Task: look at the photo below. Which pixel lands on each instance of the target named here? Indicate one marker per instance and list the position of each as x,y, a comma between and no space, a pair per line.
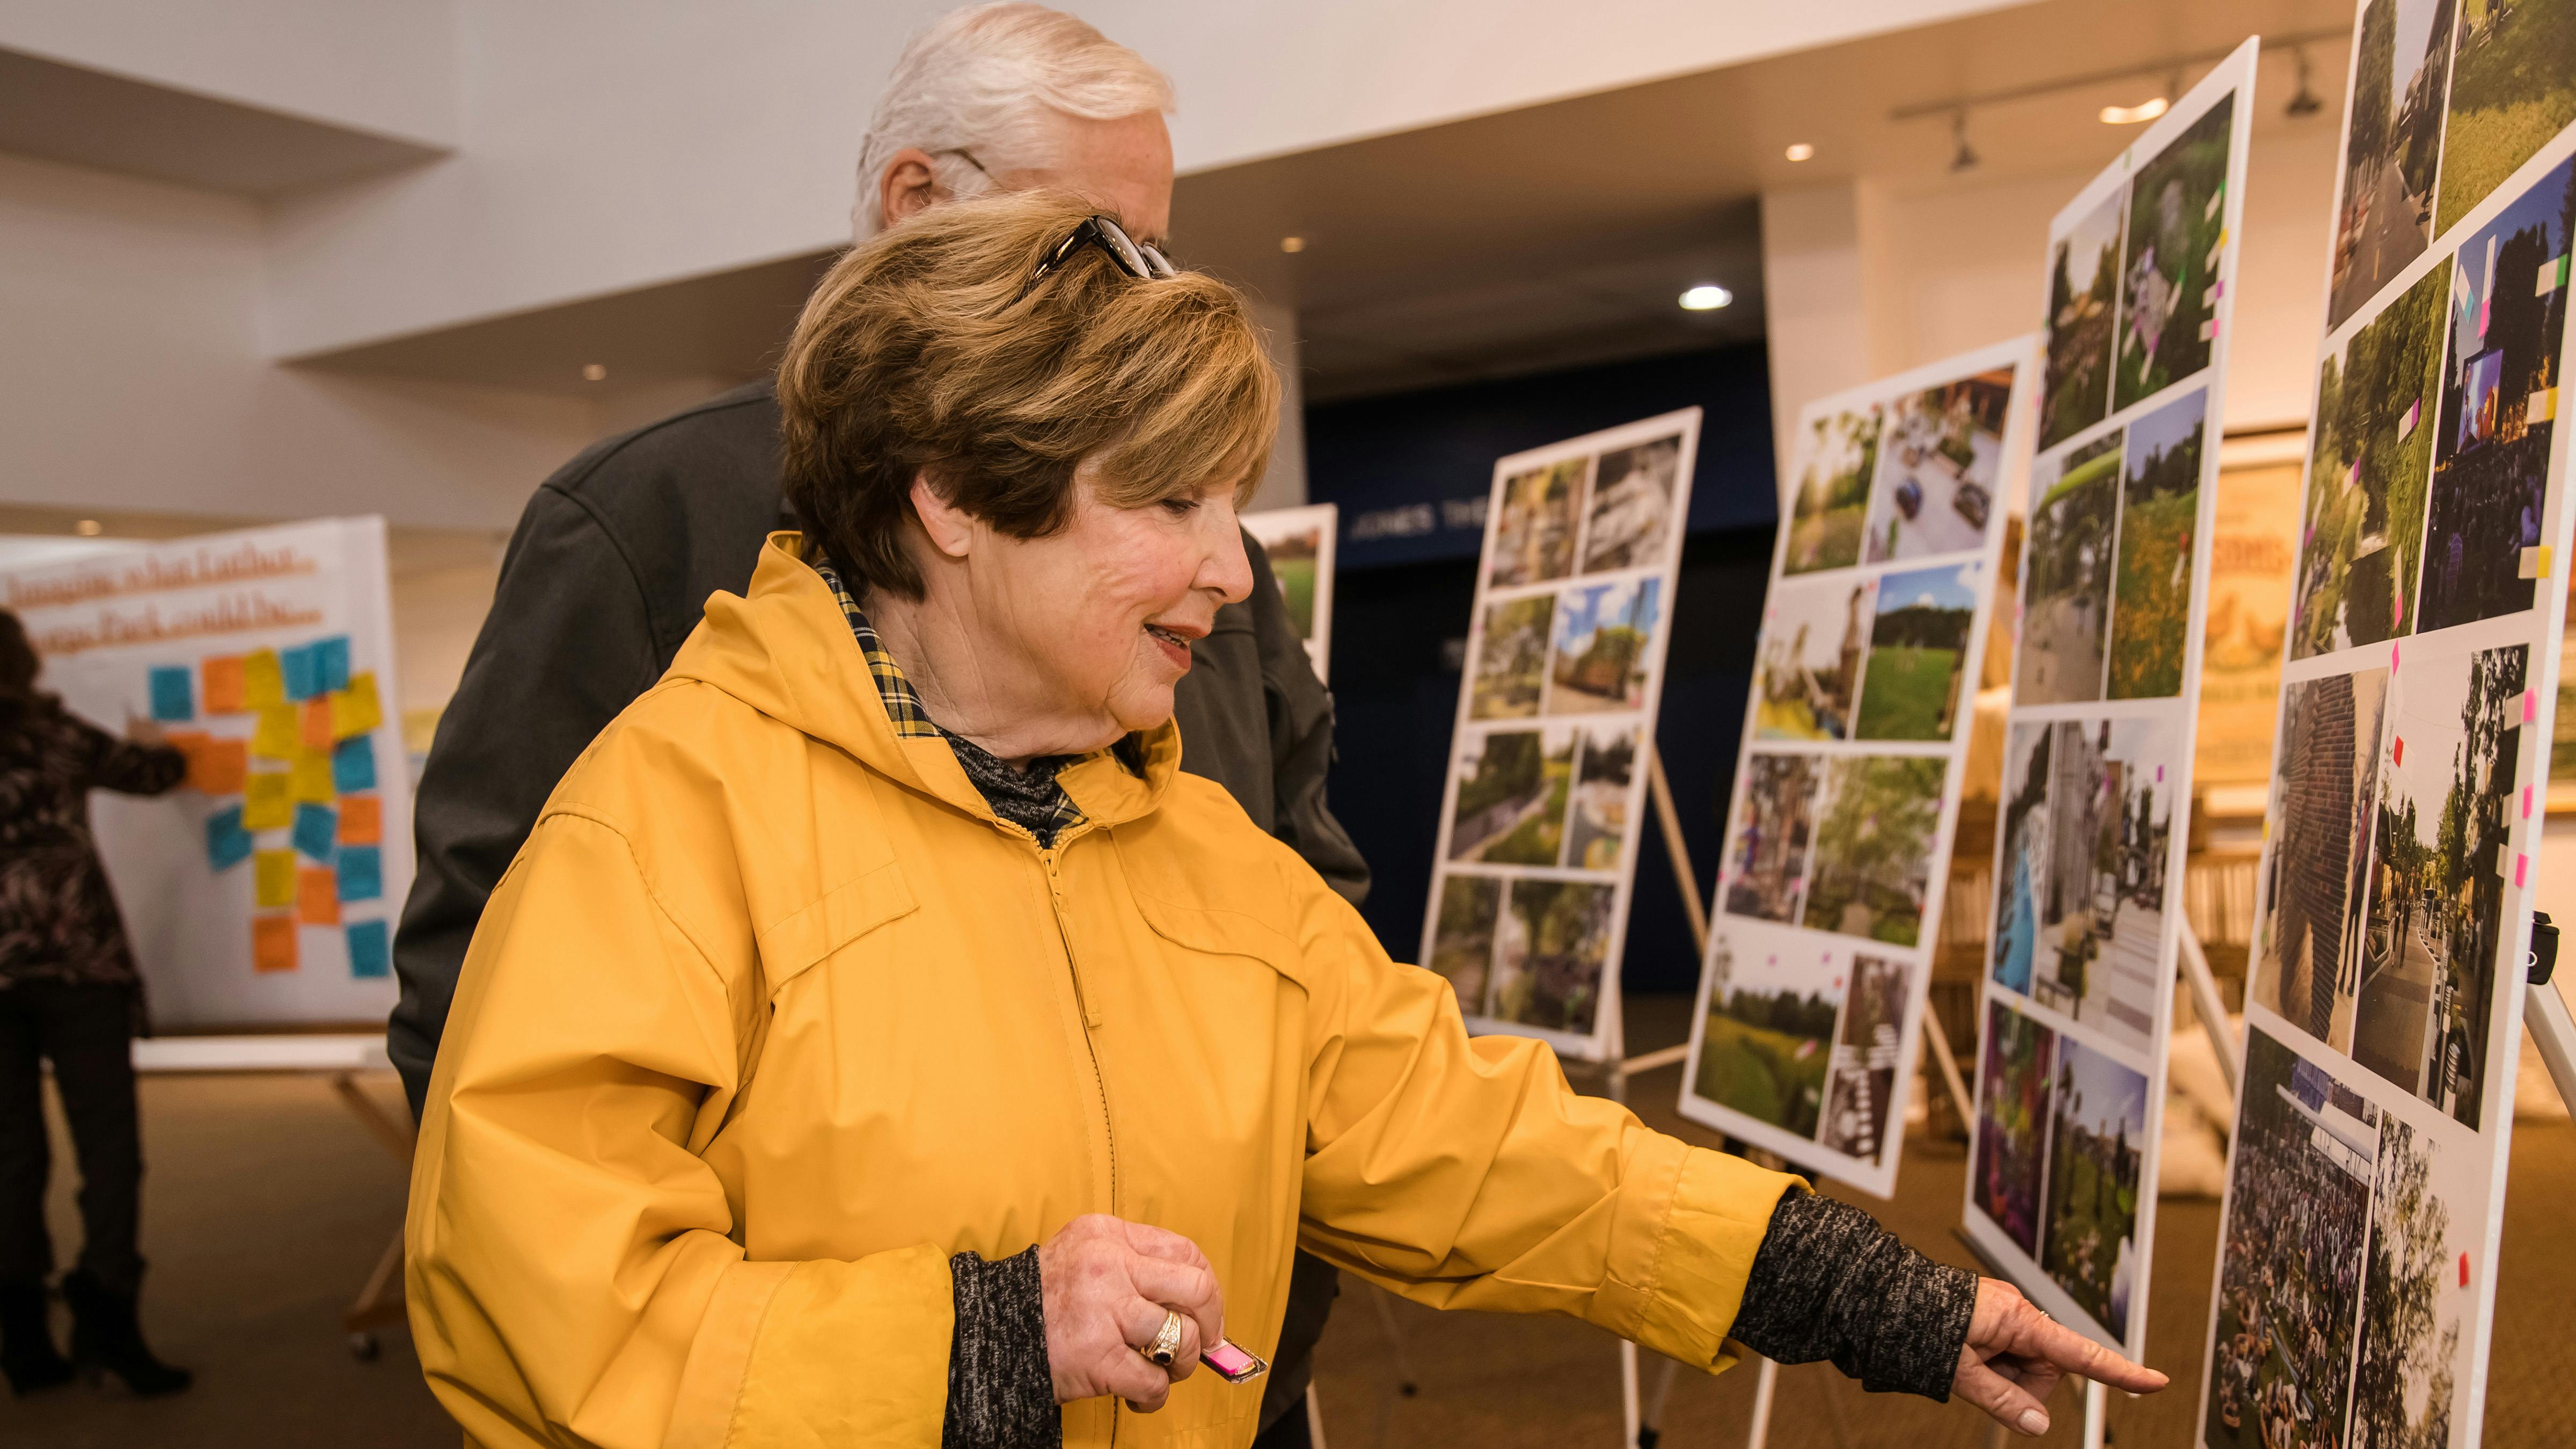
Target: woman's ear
950,528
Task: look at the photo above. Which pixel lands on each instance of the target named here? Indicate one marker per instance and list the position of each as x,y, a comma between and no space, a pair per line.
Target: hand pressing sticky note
174,693
331,663
310,780
353,764
221,680
273,879
362,874
228,842
356,710
362,820
272,943
218,767
265,803
313,718
263,684
316,831
302,672
277,734
370,953
317,896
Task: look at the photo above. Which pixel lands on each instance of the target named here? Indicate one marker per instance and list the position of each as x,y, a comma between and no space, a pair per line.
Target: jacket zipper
1048,857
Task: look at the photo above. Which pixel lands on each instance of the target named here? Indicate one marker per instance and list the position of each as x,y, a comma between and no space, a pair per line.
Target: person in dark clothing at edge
69,993
614,558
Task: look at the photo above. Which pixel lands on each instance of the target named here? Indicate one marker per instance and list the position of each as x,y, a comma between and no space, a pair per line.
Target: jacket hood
786,650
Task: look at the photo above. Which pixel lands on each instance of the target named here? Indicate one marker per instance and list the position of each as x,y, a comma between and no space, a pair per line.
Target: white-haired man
616,554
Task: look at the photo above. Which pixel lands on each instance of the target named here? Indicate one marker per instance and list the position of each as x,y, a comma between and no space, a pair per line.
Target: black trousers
87,1032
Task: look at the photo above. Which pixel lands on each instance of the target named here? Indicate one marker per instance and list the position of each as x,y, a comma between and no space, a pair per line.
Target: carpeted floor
267,1205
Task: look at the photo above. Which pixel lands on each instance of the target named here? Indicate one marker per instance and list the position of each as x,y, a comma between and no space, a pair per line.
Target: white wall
131,376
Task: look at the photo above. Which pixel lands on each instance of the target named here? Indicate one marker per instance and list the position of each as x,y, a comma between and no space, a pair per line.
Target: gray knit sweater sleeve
1000,1393
1830,1283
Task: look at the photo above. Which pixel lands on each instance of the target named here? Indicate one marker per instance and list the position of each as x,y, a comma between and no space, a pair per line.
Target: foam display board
1547,764
2357,1268
266,655
1300,544
2093,820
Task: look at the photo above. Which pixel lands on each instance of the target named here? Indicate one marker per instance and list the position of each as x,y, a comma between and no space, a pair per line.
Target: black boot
107,1340
27,1340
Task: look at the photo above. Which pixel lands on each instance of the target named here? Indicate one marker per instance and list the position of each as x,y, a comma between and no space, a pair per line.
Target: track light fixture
1966,157
2305,103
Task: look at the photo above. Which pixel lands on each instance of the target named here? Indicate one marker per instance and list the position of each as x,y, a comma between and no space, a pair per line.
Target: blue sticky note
227,843
370,952
317,829
174,692
331,663
303,672
353,764
362,873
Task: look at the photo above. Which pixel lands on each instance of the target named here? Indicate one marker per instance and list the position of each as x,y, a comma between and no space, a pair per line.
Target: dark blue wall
1401,604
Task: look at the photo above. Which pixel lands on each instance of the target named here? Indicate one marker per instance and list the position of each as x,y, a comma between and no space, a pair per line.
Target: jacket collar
786,650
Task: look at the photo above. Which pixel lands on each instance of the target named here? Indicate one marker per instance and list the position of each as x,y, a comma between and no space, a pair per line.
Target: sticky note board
277,734
265,805
2420,685
370,949
362,820
228,843
356,710
2099,739
224,686
1546,777
362,873
1872,637
173,690
273,878
353,764
263,681
317,896
218,766
272,943
316,831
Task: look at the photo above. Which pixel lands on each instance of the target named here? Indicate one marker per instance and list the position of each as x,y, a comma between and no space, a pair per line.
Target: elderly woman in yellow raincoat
880,1041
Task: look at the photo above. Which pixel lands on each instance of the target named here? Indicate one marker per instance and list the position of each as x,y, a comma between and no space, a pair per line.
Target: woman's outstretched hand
1108,1284
2015,1355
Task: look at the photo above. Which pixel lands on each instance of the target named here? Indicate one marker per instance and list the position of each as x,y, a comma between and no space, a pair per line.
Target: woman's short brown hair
917,355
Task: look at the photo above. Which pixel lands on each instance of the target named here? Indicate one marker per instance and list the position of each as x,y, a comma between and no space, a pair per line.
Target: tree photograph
2169,295
2083,297
1874,846
2390,152
2159,523
1835,461
2066,580
1769,1034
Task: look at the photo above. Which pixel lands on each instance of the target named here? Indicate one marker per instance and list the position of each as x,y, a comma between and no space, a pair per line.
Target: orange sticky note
310,777
278,733
265,805
273,878
222,684
263,682
362,820
356,710
317,723
186,742
317,896
272,943
218,767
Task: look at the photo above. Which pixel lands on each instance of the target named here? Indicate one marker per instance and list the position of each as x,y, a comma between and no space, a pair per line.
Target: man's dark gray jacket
605,578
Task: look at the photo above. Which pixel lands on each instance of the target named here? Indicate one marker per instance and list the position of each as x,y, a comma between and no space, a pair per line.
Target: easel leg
1662,791
1766,1387
2553,1030
2206,1005
1405,1383
2097,1408
1314,1417
1631,1410
1949,1064
1651,1426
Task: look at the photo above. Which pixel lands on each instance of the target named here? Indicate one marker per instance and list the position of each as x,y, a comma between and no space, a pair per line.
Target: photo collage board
2357,1266
1847,776
1546,790
1300,543
2094,811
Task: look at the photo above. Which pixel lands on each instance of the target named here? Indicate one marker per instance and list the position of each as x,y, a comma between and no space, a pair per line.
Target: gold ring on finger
1167,1341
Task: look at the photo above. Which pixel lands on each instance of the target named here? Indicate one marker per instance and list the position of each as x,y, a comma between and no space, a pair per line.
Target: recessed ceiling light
1706,297
594,372
1800,152
1292,244
89,528
2132,115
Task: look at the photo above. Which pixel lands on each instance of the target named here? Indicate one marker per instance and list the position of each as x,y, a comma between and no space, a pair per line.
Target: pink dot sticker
2521,867
2464,1270
2530,705
2526,802
2392,656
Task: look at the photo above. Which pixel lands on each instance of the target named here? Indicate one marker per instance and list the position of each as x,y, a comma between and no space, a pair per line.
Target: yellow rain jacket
772,1016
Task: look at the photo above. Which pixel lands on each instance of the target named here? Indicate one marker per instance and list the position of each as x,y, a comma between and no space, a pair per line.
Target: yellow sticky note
277,736
310,779
263,683
273,878
265,803
356,710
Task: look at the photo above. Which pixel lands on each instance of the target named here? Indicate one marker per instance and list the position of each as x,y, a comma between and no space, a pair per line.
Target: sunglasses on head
1137,259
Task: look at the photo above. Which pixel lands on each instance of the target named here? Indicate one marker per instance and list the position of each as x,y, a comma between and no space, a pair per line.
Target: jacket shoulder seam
592,816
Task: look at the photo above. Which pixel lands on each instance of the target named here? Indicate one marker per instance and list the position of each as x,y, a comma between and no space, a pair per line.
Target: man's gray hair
983,80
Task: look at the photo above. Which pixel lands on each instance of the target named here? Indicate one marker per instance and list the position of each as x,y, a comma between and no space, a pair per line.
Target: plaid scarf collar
1031,799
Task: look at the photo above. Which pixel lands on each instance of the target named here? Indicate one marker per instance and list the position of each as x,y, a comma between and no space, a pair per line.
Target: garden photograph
1512,789
2066,574
2372,448
1769,1034
1534,530
2012,1123
2096,1147
1860,1091
1511,659
1836,457
1552,941
2306,926
1462,935
1766,855
1918,651
1596,828
1602,634
2412,1300
2083,298
2169,293
1814,635
2391,149
1941,454
1632,506
1873,846
2513,86
2159,520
